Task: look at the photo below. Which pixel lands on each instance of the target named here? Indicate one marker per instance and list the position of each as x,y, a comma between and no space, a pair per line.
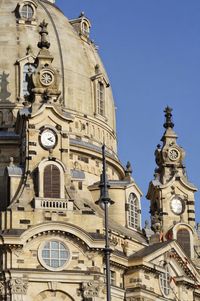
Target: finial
43,33
128,170
168,114
97,69
82,14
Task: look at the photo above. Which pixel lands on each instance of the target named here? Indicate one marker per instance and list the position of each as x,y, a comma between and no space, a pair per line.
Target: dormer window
82,26
100,86
27,12
85,29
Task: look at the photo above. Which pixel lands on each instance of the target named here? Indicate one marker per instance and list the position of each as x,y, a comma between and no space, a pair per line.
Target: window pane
54,245
45,254
55,254
54,263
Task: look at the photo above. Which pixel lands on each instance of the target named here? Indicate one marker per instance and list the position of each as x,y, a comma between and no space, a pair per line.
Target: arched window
27,12
165,281
27,71
100,99
183,238
133,219
85,29
51,181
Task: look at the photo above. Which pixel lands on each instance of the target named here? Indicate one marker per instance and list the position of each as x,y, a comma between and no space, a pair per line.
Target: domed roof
82,75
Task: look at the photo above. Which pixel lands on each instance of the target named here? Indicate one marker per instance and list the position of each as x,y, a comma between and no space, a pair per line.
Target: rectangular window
112,277
83,159
100,99
80,185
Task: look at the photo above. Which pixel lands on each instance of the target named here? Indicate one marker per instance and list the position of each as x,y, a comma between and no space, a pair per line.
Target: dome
84,86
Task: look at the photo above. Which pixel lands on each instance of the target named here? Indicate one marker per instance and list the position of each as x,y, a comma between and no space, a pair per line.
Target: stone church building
56,112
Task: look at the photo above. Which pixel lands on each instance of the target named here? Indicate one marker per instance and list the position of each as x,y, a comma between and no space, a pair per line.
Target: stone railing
53,204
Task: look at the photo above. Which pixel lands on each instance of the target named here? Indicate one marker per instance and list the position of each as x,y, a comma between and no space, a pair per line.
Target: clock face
177,205
173,154
46,78
48,138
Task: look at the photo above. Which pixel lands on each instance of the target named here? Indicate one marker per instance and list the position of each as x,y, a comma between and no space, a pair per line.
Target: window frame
164,281
133,218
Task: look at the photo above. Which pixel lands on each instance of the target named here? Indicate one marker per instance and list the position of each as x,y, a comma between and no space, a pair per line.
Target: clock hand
50,139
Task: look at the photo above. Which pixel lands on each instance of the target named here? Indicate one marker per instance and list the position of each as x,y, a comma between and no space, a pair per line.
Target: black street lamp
104,202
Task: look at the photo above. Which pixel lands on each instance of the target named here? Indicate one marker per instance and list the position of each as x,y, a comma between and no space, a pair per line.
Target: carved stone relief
18,286
2,288
92,289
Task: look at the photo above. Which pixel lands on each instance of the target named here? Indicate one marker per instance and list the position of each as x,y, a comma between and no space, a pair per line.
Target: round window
27,12
54,254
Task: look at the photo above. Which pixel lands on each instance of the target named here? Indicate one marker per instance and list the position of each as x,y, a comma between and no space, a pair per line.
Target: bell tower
171,195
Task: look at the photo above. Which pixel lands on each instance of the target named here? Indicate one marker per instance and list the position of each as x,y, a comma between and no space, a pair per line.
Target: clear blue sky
151,50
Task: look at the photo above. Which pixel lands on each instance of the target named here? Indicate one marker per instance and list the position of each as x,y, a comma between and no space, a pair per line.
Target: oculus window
27,12
54,255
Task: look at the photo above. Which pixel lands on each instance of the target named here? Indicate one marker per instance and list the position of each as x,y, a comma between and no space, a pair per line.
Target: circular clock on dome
173,154
177,205
48,138
46,78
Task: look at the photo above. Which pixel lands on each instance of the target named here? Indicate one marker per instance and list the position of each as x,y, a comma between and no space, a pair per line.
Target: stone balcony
53,204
